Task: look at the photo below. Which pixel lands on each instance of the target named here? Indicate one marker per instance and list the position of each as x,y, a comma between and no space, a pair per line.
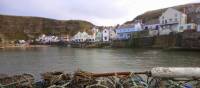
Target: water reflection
38,60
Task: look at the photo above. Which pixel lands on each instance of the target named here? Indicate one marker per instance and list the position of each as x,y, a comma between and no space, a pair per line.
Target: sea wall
165,41
143,42
187,40
190,40
122,44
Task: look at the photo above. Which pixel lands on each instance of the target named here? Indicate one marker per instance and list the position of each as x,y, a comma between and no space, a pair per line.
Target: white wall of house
112,34
183,27
171,18
152,26
165,32
46,39
98,37
106,35
198,28
80,37
153,33
83,37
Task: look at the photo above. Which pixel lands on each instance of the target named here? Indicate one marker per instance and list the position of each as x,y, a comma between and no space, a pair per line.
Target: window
157,27
170,20
181,27
105,38
163,17
189,27
121,35
128,35
165,21
146,28
176,19
176,15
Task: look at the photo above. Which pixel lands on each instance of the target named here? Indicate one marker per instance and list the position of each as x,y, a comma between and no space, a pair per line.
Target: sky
98,12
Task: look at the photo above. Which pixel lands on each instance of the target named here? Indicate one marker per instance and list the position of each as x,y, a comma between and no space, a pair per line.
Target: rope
87,80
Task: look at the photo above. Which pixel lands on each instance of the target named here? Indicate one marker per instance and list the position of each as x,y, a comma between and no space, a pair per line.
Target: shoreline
23,46
161,48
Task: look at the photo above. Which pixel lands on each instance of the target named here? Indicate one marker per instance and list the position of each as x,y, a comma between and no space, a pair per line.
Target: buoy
176,72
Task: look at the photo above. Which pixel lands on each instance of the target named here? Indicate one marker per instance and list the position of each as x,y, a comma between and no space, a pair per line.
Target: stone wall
191,40
143,42
181,40
122,44
165,41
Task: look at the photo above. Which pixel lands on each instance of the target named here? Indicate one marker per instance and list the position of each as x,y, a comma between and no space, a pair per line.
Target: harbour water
39,60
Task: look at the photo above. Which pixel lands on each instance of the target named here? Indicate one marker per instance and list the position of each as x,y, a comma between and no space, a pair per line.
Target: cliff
21,27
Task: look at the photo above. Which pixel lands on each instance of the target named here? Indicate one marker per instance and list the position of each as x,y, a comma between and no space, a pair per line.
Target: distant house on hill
187,17
174,21
171,19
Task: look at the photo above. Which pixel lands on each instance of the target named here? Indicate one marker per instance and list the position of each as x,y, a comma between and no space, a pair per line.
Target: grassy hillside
20,27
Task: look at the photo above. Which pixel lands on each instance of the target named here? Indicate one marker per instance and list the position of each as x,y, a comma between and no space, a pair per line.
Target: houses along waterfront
174,27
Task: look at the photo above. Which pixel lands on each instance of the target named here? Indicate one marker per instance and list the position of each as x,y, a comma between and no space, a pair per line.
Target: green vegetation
18,27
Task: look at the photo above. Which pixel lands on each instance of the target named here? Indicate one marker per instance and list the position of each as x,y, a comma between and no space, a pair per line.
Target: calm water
38,60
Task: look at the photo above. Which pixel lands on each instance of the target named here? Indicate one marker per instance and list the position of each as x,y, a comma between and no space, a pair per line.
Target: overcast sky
99,12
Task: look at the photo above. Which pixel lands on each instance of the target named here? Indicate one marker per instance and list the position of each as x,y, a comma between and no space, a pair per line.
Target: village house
112,34
183,27
126,32
99,36
170,20
83,37
105,34
152,28
64,38
193,12
47,39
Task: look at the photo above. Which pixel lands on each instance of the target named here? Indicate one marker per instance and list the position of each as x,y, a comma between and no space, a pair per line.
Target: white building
112,34
175,21
98,36
198,28
170,20
189,26
47,39
106,35
83,37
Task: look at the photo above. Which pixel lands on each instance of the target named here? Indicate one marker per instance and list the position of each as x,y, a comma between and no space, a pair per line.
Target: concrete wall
143,42
165,41
181,40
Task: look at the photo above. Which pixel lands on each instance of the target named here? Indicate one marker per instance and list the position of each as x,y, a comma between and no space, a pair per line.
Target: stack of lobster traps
17,81
156,78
